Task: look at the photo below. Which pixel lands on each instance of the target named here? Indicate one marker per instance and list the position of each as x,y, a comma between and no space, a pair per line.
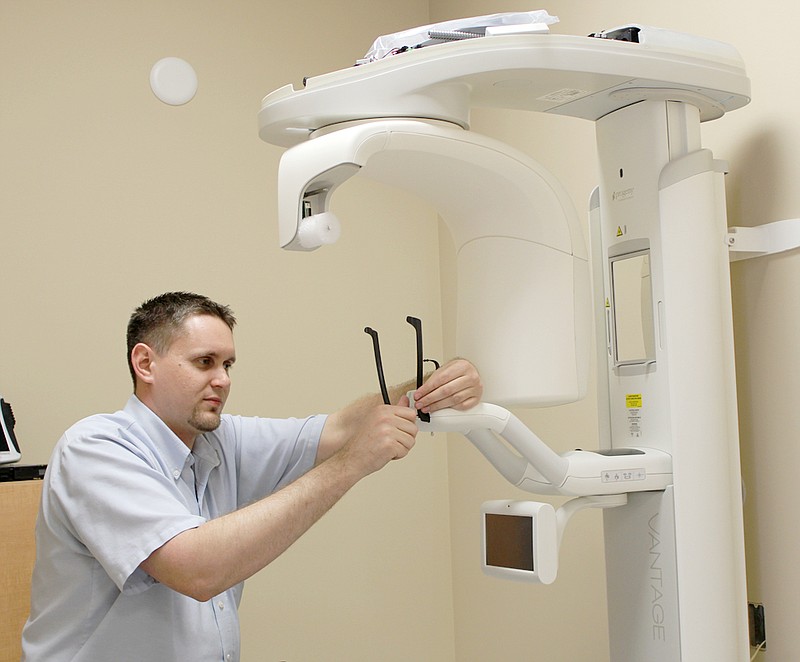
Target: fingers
403,426
456,384
396,432
388,433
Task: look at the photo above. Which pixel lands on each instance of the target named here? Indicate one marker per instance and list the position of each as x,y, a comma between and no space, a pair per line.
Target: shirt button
176,473
228,656
221,605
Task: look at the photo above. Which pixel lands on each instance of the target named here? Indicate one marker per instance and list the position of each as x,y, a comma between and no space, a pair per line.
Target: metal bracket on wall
777,237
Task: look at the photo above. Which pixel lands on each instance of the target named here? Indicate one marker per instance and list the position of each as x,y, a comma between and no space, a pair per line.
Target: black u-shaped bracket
417,324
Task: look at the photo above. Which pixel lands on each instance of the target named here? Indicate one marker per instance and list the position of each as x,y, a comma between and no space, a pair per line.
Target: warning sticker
633,403
633,400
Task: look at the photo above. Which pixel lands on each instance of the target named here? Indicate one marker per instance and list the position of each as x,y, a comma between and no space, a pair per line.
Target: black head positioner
417,324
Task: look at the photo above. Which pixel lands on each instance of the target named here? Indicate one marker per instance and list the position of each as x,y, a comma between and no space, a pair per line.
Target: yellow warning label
633,400
619,231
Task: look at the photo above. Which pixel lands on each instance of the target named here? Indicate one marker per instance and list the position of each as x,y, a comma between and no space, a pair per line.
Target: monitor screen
509,541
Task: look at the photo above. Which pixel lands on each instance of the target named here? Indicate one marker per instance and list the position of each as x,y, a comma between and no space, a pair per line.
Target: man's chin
206,422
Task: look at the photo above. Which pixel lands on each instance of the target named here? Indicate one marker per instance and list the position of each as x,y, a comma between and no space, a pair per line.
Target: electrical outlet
758,630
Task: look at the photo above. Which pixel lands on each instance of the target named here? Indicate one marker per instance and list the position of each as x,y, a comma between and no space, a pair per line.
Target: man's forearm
217,555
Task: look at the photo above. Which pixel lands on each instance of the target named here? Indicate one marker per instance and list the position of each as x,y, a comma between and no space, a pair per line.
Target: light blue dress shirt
119,486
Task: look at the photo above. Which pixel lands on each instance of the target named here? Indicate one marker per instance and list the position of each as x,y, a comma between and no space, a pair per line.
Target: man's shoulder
128,428
98,423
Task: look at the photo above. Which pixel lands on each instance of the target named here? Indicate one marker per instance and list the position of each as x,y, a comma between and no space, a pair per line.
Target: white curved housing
524,304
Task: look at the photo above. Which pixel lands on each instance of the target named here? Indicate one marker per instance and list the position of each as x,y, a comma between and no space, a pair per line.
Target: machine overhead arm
521,261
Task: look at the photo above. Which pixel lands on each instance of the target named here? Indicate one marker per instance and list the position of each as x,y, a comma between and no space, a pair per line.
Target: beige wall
110,196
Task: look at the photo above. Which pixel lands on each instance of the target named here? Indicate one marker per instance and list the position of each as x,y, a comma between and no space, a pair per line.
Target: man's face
191,380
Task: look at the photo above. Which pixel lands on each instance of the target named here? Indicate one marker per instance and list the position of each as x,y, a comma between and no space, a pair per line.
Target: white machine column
675,559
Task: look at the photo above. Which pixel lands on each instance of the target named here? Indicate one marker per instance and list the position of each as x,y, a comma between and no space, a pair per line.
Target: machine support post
675,559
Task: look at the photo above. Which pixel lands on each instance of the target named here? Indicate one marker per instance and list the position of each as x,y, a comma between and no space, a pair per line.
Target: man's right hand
387,432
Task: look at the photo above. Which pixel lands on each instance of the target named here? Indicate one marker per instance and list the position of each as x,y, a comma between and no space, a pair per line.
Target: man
152,517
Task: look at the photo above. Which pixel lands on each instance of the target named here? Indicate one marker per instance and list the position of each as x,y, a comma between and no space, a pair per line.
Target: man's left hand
456,384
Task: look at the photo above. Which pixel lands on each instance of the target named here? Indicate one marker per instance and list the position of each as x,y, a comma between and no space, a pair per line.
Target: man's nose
221,378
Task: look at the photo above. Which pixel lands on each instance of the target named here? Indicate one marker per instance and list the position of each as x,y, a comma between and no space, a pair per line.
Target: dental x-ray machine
667,471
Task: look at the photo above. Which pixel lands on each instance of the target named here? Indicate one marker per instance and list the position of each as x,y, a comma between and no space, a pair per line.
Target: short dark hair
157,321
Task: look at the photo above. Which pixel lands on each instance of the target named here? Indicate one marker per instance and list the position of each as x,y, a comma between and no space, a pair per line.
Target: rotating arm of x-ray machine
523,303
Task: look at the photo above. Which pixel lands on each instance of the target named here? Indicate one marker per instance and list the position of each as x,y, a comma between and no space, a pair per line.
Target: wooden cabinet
19,505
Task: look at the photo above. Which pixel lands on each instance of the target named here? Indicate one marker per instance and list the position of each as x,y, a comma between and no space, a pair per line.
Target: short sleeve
116,502
273,452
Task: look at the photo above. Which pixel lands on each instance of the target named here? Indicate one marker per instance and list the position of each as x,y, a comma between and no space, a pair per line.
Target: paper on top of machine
463,28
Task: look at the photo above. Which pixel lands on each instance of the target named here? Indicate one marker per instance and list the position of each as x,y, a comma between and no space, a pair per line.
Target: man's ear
142,360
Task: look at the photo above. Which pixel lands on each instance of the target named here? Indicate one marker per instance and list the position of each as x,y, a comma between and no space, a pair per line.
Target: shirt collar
174,451
171,448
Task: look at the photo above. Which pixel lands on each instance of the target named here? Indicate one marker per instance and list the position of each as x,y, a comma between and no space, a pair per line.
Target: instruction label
633,403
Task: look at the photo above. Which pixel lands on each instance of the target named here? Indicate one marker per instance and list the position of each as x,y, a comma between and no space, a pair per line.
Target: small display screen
509,541
6,413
